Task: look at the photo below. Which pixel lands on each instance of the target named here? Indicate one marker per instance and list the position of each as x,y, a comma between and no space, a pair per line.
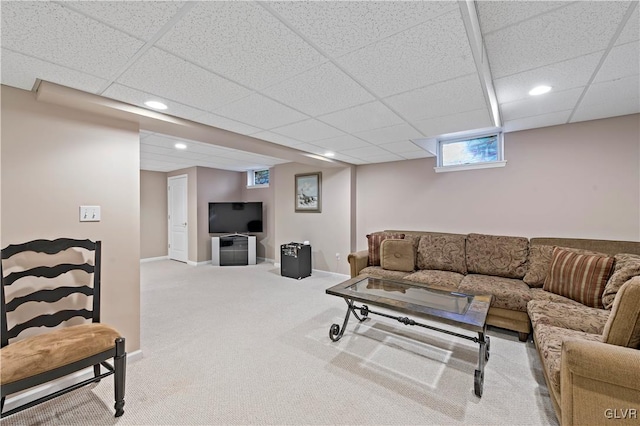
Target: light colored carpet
243,345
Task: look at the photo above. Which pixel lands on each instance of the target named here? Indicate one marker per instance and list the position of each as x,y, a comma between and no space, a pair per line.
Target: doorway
178,226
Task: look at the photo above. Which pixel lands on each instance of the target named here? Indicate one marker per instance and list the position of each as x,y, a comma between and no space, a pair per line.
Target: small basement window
473,152
258,178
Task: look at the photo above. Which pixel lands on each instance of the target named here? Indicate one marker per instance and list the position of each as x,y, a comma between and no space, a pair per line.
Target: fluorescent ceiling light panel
539,90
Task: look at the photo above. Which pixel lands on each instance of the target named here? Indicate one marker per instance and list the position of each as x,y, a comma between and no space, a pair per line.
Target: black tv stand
233,250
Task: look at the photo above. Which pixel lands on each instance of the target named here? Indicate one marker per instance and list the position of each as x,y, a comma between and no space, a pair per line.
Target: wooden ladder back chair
34,359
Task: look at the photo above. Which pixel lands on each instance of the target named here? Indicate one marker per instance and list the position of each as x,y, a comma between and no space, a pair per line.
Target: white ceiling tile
538,105
56,34
622,61
307,147
373,115
445,98
170,77
358,161
168,142
137,97
416,154
425,54
365,152
631,31
320,90
225,123
607,91
560,76
390,134
308,130
242,41
607,108
139,18
400,147
542,120
22,71
171,152
548,38
340,27
384,158
341,143
259,111
276,138
469,120
494,15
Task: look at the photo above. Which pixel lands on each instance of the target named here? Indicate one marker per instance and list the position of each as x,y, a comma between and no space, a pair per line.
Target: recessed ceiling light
539,90
180,146
329,154
155,105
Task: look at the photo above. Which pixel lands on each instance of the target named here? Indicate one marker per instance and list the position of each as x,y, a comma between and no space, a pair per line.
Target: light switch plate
89,213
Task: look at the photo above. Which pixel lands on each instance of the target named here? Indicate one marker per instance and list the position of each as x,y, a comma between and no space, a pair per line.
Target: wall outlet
338,256
89,213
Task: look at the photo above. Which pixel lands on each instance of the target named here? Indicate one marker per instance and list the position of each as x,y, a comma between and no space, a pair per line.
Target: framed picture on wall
308,192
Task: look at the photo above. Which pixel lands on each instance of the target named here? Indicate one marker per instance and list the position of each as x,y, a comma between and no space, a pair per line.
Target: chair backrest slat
48,296
47,271
33,290
49,320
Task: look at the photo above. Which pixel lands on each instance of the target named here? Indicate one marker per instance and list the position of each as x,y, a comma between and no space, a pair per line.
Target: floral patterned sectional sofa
581,297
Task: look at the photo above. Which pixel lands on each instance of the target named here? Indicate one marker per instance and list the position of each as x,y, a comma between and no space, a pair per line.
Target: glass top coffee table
465,311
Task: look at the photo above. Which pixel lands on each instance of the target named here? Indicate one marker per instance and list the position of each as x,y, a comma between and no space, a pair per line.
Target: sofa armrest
358,261
600,383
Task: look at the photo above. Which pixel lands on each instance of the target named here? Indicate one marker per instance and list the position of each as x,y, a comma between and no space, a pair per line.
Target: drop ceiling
363,80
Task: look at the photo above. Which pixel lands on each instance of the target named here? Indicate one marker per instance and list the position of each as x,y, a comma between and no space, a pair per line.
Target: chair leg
2,405
96,371
120,367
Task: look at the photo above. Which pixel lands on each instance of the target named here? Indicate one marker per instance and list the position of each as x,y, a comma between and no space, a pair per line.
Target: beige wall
153,214
214,185
55,159
328,232
265,241
574,180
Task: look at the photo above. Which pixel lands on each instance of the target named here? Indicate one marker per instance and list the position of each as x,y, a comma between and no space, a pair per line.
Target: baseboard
153,259
345,276
56,385
192,263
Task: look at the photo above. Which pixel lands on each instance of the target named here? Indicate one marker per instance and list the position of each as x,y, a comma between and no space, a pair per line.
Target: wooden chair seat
45,352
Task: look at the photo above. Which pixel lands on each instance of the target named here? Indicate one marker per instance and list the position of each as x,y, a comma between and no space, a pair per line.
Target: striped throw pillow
581,277
374,241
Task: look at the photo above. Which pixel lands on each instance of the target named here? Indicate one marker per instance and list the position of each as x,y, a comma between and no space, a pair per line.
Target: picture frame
308,192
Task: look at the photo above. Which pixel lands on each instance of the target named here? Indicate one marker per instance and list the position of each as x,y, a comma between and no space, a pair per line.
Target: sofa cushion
581,277
397,255
442,252
497,255
572,316
623,326
378,271
445,279
541,294
539,263
626,267
549,340
507,293
374,241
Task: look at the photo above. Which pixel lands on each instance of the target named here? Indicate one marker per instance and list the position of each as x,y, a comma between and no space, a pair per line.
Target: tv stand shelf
233,250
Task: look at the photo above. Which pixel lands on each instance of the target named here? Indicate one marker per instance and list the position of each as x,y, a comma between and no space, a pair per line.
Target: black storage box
295,260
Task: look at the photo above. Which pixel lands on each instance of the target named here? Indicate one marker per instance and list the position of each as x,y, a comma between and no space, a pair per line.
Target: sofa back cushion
581,277
538,267
442,252
627,265
397,255
374,241
496,255
623,326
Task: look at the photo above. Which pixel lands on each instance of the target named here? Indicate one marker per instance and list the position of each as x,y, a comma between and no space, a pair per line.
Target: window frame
466,136
251,178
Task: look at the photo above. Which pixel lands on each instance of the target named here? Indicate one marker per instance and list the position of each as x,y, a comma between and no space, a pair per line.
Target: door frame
169,219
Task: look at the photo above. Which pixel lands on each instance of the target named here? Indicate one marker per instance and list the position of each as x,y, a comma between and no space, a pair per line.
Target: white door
178,230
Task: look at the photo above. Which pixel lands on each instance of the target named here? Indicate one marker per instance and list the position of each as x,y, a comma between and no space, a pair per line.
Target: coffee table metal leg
483,357
335,332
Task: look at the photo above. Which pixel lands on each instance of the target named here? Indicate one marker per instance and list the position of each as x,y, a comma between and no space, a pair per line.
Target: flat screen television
229,218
